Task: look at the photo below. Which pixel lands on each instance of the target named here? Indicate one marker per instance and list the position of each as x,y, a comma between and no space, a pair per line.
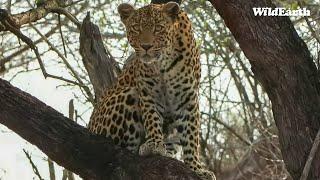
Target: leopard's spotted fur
158,90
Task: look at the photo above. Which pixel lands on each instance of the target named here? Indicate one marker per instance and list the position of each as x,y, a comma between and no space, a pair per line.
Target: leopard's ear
125,10
171,9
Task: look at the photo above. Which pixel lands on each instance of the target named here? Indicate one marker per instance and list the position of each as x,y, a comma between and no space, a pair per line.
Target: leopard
157,92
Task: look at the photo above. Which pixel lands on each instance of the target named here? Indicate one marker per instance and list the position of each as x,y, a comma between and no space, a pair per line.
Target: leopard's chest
175,88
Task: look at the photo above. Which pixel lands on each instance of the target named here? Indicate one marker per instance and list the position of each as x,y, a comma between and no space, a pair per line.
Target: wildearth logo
267,11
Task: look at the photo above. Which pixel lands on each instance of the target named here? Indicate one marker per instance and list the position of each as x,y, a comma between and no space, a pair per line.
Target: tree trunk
74,147
100,65
281,61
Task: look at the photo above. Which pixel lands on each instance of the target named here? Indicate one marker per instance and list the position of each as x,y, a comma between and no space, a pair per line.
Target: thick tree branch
32,15
74,147
282,63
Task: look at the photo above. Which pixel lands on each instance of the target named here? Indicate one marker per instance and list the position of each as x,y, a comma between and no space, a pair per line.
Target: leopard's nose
146,46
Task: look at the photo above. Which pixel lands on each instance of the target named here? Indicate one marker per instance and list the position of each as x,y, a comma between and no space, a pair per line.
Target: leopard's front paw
205,174
150,147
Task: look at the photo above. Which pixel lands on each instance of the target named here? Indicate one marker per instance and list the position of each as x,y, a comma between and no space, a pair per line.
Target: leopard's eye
159,28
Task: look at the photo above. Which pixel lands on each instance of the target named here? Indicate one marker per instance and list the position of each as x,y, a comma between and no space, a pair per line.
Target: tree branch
74,147
34,167
99,63
281,62
32,15
313,151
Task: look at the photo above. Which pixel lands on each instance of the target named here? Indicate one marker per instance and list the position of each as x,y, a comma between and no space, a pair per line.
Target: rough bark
100,65
74,147
32,15
281,62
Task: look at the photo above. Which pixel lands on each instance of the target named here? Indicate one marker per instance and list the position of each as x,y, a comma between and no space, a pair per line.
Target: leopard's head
150,29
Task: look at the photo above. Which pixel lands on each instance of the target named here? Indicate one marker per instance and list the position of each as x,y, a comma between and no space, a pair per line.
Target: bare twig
70,175
48,34
74,2
63,11
51,169
65,61
66,173
18,52
313,151
71,110
5,20
61,35
229,129
34,167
